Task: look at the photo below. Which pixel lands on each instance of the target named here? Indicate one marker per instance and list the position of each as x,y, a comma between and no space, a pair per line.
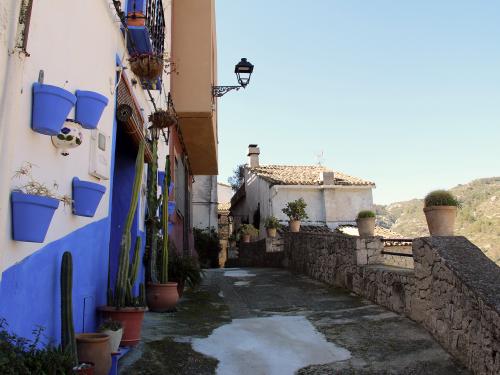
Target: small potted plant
247,231
440,209
33,205
366,223
296,211
114,329
271,224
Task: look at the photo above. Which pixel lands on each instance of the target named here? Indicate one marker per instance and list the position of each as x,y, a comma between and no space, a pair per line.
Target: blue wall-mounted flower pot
51,106
31,216
86,197
89,108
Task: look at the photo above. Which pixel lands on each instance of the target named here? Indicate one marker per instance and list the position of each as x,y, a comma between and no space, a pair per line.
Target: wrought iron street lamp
243,71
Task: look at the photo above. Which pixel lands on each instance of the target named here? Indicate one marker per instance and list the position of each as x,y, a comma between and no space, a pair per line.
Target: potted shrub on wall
271,224
247,231
32,207
440,208
296,211
366,223
51,106
122,304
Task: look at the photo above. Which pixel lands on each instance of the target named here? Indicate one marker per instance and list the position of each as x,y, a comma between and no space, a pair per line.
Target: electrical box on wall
100,144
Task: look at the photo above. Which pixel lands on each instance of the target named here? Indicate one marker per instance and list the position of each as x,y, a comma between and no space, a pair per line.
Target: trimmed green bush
272,223
296,210
366,214
248,229
440,198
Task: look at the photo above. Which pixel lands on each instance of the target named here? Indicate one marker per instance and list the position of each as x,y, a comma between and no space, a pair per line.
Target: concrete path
271,322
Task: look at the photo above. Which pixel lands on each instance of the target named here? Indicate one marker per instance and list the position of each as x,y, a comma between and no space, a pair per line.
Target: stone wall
398,260
454,290
254,254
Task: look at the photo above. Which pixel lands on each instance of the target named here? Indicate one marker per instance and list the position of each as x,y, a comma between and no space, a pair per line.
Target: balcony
194,54
146,25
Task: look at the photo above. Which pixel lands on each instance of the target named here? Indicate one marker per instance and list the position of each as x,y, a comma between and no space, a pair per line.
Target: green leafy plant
296,210
272,223
207,245
110,325
440,198
185,270
20,356
248,229
366,214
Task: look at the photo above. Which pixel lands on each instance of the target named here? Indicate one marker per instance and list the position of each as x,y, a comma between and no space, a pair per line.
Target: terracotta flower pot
246,238
271,232
441,220
180,288
162,297
131,319
114,338
366,226
294,226
94,347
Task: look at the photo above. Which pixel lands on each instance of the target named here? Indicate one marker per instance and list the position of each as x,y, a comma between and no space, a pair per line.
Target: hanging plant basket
86,197
31,216
147,66
162,119
89,108
51,106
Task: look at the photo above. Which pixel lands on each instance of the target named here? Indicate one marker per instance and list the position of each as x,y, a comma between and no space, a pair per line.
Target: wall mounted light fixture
243,71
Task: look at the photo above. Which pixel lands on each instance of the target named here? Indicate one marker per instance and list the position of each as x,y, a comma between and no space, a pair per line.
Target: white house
333,198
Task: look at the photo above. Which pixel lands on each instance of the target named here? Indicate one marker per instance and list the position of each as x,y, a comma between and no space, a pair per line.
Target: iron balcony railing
155,22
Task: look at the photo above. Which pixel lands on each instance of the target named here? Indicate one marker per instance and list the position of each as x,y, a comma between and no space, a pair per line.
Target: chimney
328,177
253,155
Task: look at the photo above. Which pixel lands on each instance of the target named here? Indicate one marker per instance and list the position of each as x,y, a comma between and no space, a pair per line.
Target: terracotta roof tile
224,206
303,175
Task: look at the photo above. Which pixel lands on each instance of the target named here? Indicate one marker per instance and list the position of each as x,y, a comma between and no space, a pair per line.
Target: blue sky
403,93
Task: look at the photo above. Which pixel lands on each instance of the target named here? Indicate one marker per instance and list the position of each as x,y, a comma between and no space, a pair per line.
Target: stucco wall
205,202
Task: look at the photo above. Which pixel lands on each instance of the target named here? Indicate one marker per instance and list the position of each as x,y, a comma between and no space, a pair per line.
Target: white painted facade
205,202
75,43
330,205
224,193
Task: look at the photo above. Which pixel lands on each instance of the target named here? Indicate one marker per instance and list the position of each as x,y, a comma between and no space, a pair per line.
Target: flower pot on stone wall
131,319
95,348
86,197
441,220
51,105
89,108
366,226
271,232
245,238
31,216
294,226
162,297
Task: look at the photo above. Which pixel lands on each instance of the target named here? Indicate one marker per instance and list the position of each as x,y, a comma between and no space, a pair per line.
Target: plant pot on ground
296,211
247,231
272,224
122,304
366,223
440,209
161,294
114,330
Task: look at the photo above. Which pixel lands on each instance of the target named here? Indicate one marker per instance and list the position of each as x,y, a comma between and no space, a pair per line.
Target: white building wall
205,202
75,43
224,193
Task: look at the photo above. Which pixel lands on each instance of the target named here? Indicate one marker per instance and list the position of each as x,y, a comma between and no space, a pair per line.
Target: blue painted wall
30,291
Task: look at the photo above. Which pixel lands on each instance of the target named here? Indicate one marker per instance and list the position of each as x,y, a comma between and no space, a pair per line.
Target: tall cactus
68,341
124,282
164,224
152,224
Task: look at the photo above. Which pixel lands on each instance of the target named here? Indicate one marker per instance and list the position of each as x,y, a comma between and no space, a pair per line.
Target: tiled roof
225,206
303,175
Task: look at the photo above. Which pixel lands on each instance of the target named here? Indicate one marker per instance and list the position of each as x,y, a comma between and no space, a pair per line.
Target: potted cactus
366,223
247,231
122,304
162,295
271,224
68,338
296,211
440,209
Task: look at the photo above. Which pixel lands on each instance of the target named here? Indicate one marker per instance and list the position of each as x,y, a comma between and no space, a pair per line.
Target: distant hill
478,219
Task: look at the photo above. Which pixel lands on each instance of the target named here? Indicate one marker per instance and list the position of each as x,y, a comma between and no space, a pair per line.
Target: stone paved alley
270,322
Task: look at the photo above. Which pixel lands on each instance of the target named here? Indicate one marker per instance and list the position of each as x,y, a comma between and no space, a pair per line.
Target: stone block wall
454,290
397,260
254,254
